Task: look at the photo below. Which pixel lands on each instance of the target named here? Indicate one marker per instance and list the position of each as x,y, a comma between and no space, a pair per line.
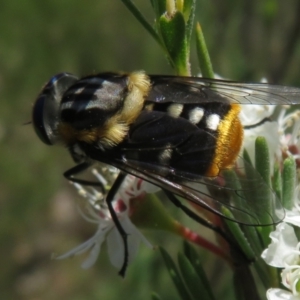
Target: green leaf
232,181
188,7
159,7
139,16
203,55
262,159
263,192
288,182
152,214
172,31
251,233
247,158
195,261
155,296
277,181
194,283
238,234
263,271
189,15
174,274
253,182
244,283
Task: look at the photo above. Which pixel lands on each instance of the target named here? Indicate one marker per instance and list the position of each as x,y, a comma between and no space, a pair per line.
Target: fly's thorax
99,109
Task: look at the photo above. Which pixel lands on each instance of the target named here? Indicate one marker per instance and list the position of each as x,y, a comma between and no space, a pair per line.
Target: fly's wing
175,155
195,89
244,198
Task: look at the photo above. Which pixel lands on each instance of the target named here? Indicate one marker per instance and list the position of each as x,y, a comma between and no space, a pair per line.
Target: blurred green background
247,40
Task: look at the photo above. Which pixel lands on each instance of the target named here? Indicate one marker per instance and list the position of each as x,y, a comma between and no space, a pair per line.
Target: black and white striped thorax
92,100
97,109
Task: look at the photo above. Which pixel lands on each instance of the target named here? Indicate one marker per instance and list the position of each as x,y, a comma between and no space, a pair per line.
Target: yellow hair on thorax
114,130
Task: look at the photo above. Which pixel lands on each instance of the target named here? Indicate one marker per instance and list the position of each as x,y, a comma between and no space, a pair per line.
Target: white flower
290,123
282,247
283,252
290,275
279,294
290,145
98,213
253,114
293,216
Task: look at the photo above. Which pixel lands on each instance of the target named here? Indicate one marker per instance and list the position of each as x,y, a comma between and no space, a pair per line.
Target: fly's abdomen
228,143
202,138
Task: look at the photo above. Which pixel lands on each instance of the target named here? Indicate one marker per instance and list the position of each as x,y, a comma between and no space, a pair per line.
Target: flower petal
279,294
149,187
284,242
292,217
115,248
115,244
94,253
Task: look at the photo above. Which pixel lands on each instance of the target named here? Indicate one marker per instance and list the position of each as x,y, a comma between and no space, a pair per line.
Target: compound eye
45,114
38,120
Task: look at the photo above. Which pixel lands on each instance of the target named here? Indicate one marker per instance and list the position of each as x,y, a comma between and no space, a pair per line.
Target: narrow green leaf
238,289
247,158
259,195
232,182
262,270
174,274
262,159
172,31
277,181
195,261
240,201
155,296
159,7
264,193
203,55
194,283
238,234
244,283
251,233
152,214
189,15
139,16
251,184
188,6
288,182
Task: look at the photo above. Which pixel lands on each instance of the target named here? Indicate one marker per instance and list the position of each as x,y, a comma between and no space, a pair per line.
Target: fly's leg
79,169
240,256
109,199
195,217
